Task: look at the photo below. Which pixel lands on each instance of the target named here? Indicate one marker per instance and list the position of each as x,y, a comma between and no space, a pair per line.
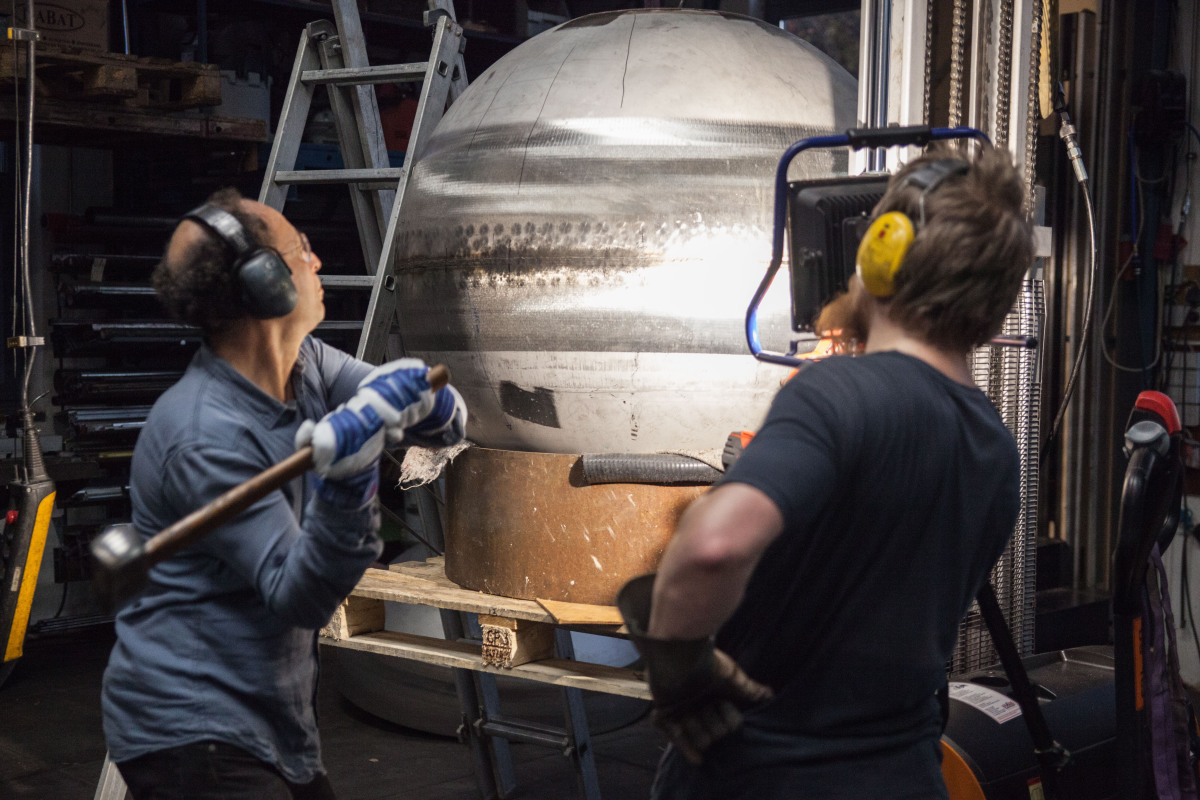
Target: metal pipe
26,192
103,217
1106,158
881,40
125,23
526,733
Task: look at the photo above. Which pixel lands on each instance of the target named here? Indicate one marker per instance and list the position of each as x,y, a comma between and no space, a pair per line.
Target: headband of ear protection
883,247
264,280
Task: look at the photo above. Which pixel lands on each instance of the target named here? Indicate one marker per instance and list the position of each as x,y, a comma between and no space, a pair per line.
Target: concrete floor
52,747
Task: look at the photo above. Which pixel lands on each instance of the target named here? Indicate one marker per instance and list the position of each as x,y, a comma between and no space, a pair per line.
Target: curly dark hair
199,287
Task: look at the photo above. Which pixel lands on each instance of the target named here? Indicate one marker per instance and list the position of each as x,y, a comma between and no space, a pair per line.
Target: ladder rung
348,281
361,76
387,178
529,733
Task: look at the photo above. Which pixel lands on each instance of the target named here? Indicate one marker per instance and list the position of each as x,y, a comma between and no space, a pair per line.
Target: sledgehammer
122,560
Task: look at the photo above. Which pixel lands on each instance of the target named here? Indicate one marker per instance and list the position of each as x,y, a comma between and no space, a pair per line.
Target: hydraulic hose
669,468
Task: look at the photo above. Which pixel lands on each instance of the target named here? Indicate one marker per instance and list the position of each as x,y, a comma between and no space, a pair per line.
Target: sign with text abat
75,23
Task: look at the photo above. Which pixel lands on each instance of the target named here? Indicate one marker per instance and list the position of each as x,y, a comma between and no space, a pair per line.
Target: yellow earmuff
882,250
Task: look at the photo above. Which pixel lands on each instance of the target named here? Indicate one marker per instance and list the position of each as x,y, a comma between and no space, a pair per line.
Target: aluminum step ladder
334,55
112,785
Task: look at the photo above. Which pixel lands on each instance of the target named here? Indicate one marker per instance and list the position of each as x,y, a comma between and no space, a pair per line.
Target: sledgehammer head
121,565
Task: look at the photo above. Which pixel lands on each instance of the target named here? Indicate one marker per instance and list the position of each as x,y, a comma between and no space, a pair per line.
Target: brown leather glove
699,692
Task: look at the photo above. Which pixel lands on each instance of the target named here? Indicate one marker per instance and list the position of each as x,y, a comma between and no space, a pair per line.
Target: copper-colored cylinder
524,525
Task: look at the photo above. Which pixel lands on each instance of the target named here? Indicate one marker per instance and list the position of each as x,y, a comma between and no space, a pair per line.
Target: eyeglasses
306,249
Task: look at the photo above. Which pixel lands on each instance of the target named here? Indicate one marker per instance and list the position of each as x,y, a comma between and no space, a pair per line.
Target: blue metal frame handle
855,139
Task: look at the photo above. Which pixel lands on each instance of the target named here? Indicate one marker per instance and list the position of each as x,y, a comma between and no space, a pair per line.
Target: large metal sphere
583,233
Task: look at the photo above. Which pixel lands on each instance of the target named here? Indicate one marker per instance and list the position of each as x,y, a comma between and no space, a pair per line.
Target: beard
846,319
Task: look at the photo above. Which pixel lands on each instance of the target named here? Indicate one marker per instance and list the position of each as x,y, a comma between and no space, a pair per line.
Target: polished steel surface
590,219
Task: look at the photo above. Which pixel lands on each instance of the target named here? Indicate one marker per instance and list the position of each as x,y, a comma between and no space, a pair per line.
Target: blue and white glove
346,444
393,402
412,413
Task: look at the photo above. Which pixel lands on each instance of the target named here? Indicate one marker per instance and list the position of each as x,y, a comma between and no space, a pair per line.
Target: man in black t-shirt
835,559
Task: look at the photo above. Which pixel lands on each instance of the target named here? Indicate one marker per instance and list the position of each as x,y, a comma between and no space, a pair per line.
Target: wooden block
110,80
354,616
10,65
140,98
203,90
337,628
156,87
510,642
581,613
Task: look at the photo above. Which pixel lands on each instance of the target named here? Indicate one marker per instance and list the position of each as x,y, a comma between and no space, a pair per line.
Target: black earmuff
264,280
883,247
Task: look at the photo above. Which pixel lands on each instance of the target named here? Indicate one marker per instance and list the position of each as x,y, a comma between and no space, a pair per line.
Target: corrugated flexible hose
668,468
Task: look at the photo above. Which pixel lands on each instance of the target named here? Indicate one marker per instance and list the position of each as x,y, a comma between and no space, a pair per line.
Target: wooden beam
581,613
433,569
355,615
87,119
428,585
110,80
510,642
462,655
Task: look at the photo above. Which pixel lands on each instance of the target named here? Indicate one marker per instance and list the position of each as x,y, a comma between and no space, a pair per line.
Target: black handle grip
889,137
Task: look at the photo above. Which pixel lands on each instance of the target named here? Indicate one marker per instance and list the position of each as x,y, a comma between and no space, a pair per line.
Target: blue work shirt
222,643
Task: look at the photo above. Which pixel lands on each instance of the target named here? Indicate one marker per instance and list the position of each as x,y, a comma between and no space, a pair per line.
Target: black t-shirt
899,489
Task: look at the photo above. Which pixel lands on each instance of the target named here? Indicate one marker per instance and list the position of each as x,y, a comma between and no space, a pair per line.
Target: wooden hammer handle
200,522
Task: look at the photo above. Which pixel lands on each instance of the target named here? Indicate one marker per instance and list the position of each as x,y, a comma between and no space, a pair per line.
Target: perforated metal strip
1004,65
958,45
1033,107
926,100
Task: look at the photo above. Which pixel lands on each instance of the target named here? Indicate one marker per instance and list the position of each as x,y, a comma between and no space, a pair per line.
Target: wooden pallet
115,78
517,634
101,124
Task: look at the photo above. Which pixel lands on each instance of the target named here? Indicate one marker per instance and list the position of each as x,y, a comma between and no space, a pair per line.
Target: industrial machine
987,752
577,241
573,252
577,245
589,217
1121,713
22,543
